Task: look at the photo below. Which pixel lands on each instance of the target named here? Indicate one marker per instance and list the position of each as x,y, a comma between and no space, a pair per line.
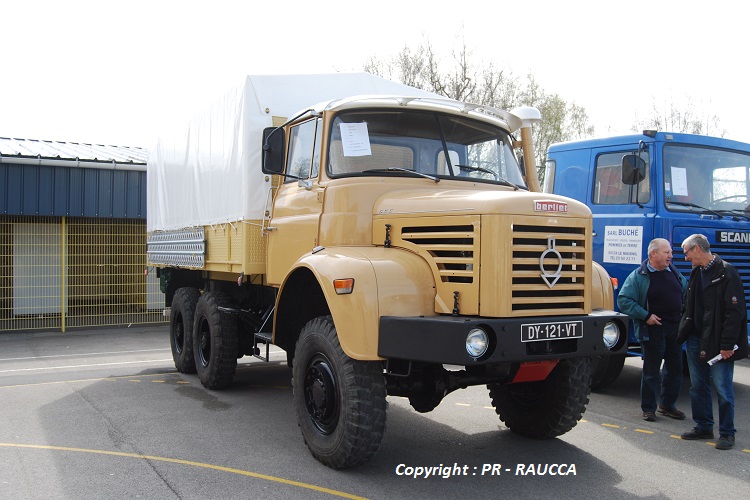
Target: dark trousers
657,383
702,377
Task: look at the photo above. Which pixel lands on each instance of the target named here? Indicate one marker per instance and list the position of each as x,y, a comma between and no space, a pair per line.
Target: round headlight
477,342
610,335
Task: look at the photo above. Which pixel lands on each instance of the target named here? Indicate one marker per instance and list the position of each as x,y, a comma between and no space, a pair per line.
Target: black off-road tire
214,341
340,402
605,370
548,408
181,317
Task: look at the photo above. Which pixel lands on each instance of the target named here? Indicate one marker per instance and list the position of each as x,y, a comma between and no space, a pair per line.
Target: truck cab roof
501,117
649,136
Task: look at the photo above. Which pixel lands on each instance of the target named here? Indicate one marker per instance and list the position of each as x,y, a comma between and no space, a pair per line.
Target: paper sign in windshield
679,181
355,139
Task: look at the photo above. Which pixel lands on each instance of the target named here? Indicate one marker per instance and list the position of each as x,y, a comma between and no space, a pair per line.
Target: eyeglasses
690,250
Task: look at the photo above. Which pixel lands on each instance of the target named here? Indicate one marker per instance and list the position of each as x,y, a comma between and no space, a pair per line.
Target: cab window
608,186
304,151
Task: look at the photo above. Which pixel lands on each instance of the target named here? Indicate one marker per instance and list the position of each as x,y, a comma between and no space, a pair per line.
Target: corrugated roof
55,150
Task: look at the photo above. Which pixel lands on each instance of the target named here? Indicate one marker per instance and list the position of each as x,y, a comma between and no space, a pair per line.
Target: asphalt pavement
103,414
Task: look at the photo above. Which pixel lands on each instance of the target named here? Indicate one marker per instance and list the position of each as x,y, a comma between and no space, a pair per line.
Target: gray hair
656,243
699,240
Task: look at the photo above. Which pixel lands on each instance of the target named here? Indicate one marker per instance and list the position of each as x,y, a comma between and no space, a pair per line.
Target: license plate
559,330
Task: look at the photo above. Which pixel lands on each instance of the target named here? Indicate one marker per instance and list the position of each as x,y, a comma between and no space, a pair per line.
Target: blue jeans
701,376
665,385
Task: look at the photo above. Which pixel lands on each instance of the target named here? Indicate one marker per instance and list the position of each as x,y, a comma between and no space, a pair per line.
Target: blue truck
656,185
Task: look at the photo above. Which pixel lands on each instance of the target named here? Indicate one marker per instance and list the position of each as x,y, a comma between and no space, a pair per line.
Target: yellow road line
644,431
191,463
611,425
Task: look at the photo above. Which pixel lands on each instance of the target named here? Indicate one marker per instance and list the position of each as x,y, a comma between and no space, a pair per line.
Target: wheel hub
320,395
179,335
204,344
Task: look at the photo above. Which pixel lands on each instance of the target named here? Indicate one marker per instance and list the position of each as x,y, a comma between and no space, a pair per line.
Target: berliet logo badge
550,206
551,250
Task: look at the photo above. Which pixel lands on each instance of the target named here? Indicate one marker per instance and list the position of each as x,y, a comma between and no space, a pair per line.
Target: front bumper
442,339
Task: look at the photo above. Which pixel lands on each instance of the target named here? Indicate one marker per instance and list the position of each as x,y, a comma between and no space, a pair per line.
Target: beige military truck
389,241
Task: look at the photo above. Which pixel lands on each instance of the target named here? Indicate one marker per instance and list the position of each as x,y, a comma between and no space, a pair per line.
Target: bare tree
671,117
464,80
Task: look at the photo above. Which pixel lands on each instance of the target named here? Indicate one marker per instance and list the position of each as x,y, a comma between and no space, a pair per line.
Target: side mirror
633,169
273,150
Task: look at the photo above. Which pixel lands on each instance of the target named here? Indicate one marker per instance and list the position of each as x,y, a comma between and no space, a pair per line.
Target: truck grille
737,255
452,248
549,269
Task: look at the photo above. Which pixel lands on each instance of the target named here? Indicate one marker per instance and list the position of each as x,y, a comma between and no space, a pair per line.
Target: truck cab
682,184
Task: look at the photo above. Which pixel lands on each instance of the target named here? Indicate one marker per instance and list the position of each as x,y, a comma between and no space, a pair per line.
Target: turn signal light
343,286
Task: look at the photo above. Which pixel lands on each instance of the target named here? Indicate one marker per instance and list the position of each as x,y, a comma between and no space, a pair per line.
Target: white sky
117,73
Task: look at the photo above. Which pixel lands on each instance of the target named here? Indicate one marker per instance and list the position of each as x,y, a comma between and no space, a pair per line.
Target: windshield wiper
736,213
688,204
469,168
399,169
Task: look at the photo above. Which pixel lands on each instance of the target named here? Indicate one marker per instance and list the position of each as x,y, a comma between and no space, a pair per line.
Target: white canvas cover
209,172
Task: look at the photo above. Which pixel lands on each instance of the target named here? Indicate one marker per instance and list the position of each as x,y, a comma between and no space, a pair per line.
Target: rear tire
181,317
340,402
214,341
547,408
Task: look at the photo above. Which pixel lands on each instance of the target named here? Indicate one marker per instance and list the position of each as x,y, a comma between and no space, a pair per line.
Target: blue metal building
69,179
73,236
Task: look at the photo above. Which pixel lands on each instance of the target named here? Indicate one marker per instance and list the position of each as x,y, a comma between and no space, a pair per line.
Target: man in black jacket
714,326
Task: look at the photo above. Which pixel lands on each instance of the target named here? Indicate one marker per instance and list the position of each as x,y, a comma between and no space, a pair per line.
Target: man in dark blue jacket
652,296
714,326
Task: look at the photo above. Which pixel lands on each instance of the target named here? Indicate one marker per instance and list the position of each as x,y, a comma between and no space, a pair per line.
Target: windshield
421,143
700,177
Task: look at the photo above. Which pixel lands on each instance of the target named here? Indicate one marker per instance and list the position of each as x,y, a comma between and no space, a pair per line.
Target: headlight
477,342
610,335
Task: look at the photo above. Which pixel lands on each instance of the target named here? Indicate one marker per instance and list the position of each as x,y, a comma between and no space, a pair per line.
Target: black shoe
698,433
725,442
649,416
672,413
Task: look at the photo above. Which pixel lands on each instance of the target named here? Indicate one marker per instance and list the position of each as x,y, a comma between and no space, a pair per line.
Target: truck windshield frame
695,177
373,142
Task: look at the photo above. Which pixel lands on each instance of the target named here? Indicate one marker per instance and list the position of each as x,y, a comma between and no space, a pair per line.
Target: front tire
547,408
340,402
605,370
181,317
214,341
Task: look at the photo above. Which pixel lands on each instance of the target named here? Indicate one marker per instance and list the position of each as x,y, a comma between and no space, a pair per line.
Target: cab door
293,228
623,214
